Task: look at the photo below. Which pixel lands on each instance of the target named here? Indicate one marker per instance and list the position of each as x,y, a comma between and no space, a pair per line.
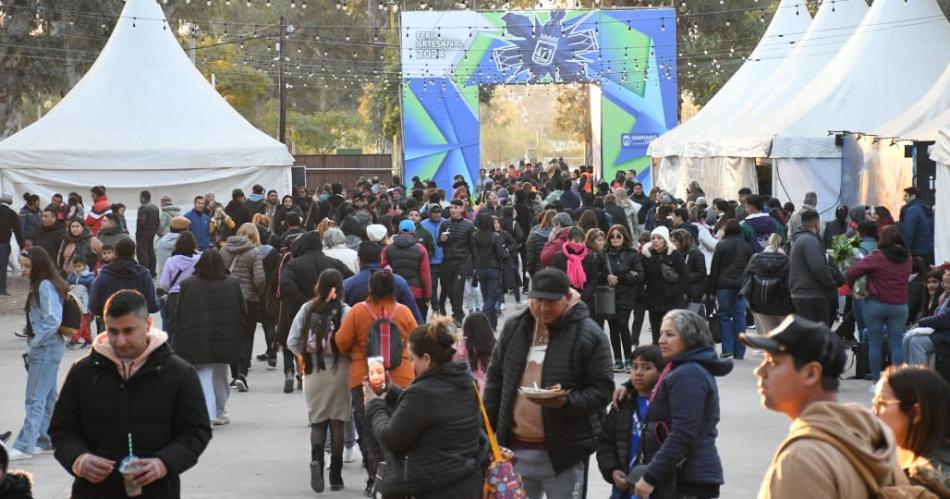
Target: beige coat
245,262
806,467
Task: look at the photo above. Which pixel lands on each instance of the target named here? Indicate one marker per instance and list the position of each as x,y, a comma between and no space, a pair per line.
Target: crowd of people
385,303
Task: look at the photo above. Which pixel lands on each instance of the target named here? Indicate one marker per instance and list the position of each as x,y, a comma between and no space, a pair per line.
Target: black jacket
431,432
459,245
729,261
161,405
768,266
595,268
210,320
627,265
687,402
490,252
618,216
239,213
696,263
147,221
10,226
118,275
660,294
533,247
613,443
578,358
50,239
405,256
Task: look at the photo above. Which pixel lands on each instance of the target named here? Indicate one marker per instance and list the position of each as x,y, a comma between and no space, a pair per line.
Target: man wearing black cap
553,345
830,446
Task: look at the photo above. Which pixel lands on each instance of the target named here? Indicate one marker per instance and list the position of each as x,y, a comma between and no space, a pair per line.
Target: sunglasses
616,235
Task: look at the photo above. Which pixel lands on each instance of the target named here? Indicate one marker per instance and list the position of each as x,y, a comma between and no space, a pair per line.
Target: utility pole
281,85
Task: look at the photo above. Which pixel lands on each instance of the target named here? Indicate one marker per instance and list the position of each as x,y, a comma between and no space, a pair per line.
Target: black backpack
384,339
72,316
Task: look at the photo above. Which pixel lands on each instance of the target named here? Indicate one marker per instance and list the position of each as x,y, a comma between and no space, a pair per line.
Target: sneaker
241,384
85,344
18,455
368,491
626,366
262,357
726,356
221,420
72,345
233,383
289,383
43,450
618,366
5,436
349,454
271,363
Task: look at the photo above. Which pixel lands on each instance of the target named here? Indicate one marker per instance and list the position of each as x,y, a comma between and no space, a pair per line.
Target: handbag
670,274
711,313
501,479
605,297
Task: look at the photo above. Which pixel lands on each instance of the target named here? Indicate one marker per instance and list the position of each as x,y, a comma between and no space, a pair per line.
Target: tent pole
280,81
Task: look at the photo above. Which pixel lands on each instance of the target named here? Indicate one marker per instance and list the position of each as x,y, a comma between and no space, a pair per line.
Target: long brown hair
924,393
42,268
327,300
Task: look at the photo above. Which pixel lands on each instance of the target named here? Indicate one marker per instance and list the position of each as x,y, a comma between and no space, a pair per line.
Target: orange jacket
353,333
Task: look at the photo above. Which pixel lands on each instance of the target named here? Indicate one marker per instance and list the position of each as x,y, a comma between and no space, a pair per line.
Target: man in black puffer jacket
455,238
121,274
131,390
553,342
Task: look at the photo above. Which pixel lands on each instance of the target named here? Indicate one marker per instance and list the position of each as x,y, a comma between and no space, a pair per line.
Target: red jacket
887,273
100,208
554,247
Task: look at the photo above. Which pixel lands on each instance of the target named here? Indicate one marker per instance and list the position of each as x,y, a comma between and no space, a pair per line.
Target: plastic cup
129,468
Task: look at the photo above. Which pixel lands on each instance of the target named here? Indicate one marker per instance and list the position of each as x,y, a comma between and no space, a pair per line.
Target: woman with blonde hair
242,257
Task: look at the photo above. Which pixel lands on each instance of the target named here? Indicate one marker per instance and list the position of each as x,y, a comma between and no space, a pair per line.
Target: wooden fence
320,169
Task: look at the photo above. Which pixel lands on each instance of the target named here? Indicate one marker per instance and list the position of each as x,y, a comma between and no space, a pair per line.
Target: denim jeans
857,308
540,479
918,350
878,316
40,397
4,262
731,321
489,281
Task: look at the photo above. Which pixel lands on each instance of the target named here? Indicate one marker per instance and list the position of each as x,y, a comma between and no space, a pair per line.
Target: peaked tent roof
922,120
142,105
788,24
894,57
834,23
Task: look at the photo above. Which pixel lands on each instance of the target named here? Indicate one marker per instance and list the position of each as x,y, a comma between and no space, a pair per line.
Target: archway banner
447,55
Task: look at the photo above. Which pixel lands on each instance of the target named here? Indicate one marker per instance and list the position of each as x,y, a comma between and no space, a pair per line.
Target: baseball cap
407,226
804,340
549,284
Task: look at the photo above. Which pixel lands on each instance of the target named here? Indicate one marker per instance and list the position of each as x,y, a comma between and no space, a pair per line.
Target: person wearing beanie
407,257
376,233
166,244
666,277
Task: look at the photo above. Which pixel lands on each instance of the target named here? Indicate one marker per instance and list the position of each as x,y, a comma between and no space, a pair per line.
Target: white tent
884,169
894,57
680,150
940,153
142,117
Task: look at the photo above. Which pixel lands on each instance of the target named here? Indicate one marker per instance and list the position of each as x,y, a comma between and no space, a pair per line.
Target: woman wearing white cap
666,279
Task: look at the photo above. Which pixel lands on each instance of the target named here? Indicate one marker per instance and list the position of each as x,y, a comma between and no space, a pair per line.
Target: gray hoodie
165,218
164,249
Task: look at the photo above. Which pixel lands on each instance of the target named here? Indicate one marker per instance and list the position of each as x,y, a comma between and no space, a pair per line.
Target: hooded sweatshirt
165,248
128,367
121,274
170,279
165,218
805,466
757,228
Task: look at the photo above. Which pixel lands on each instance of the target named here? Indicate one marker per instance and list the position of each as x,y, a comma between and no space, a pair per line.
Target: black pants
243,364
639,313
453,275
423,304
145,251
815,309
372,454
437,301
620,334
656,318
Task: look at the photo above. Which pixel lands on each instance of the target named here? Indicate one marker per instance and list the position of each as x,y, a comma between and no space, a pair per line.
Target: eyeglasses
616,235
878,404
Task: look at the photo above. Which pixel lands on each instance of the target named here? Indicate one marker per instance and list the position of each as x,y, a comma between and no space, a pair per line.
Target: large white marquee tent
142,117
682,152
843,75
940,153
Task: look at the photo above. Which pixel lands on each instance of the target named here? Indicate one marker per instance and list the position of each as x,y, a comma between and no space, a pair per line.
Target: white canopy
142,117
925,118
894,57
940,153
786,28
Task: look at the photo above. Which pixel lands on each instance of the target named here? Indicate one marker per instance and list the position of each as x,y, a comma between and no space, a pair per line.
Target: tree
573,113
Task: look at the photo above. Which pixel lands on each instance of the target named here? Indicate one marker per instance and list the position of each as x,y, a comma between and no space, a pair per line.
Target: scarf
575,253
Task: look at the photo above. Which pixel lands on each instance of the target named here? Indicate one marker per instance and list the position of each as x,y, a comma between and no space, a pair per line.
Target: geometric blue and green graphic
629,53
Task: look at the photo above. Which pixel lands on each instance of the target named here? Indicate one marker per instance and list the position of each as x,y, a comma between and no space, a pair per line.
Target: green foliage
324,132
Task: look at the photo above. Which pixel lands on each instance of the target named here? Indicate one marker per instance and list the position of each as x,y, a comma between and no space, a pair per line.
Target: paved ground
264,452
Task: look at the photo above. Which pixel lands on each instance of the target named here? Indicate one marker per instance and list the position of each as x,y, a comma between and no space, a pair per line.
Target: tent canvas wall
940,153
142,117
